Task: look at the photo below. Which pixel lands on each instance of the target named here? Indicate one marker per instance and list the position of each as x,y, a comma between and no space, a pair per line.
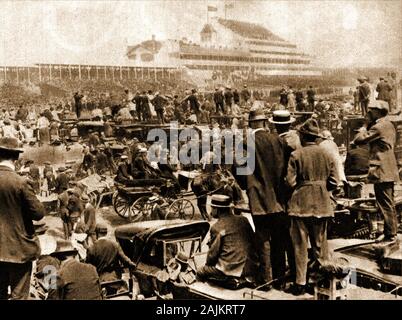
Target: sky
338,33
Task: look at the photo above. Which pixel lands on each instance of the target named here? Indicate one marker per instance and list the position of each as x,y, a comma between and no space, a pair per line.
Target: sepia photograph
173,150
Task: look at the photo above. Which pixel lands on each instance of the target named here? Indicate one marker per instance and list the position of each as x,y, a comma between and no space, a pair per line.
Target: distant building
227,46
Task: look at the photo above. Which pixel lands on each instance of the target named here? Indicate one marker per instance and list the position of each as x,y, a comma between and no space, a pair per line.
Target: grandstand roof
249,30
150,45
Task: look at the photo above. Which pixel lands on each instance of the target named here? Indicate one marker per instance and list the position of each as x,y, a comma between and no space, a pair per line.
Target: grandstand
227,46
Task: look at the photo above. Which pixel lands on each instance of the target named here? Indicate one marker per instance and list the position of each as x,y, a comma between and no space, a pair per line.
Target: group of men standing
386,91
290,191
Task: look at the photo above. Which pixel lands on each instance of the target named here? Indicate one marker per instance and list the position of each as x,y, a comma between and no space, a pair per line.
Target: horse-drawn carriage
151,198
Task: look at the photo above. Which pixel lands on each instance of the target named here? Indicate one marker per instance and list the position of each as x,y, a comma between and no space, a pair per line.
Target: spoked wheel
180,209
121,206
141,208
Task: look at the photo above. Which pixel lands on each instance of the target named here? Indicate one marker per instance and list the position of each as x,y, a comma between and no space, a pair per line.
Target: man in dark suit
34,175
219,101
159,103
311,98
383,169
144,107
78,104
263,190
231,244
299,96
364,94
19,245
245,94
137,101
384,90
194,104
62,180
228,99
124,170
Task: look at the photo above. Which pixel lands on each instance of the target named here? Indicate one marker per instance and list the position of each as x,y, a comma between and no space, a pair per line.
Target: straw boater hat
281,117
10,144
124,156
256,114
310,127
220,201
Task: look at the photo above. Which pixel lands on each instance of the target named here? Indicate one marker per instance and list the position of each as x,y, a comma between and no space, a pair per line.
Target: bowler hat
281,117
256,114
310,127
10,144
220,201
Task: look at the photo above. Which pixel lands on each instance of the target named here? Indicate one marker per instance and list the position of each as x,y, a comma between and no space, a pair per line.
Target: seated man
123,170
142,168
107,256
230,246
76,281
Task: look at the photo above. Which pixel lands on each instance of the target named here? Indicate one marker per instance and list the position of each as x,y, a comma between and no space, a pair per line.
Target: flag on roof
212,9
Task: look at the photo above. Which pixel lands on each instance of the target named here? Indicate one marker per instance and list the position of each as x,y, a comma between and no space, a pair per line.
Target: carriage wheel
121,206
141,208
180,208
